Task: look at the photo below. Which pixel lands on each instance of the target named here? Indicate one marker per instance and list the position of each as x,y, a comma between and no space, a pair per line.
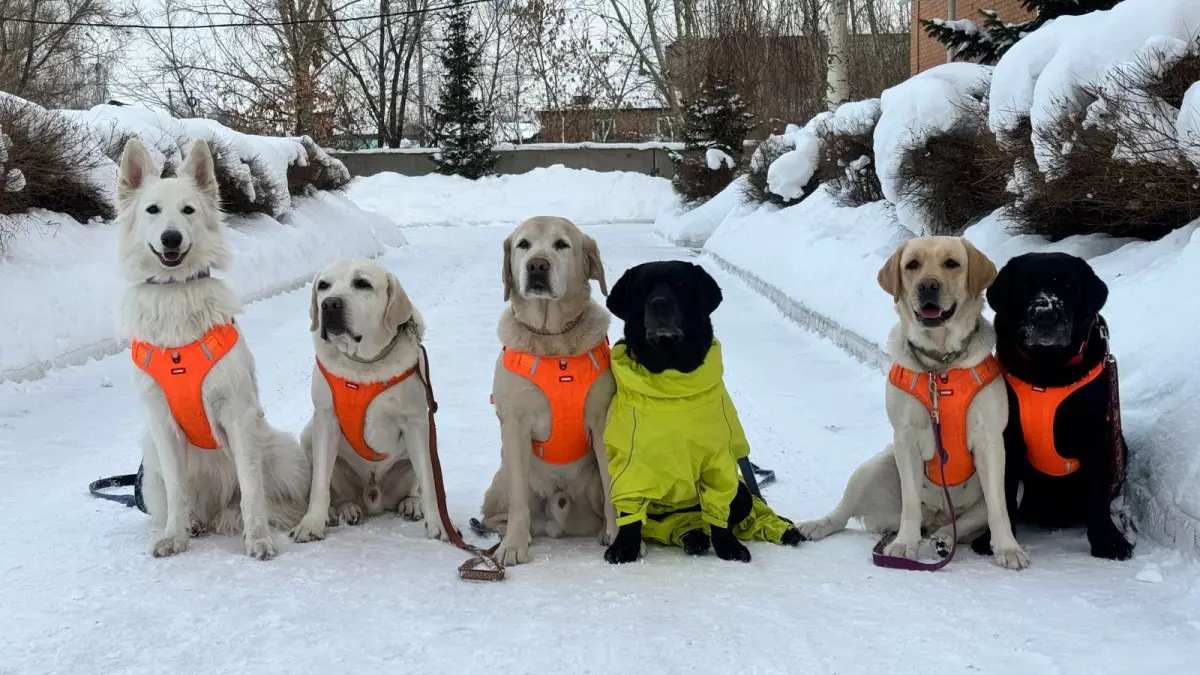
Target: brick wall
927,52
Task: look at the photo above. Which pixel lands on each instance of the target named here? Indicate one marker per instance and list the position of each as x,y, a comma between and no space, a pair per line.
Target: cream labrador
548,266
369,434
937,285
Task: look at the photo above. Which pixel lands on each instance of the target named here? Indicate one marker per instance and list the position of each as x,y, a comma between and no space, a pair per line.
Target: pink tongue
172,256
930,312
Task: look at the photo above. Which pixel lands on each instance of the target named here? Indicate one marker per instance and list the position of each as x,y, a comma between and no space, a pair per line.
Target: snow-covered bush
695,182
48,162
754,188
793,176
938,162
716,123
847,165
1124,165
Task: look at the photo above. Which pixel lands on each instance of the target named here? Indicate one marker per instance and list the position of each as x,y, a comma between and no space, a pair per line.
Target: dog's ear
313,315
506,273
595,268
618,299
889,274
999,292
707,289
137,170
981,271
399,307
198,168
1093,293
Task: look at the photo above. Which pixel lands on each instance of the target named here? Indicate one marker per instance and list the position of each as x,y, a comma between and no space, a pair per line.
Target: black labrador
667,308
1048,330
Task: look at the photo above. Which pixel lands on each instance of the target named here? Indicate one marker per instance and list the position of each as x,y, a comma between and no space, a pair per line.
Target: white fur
890,491
529,496
256,479
344,485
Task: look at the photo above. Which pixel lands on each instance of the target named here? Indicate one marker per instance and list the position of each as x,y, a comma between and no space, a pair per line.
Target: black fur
1080,428
688,296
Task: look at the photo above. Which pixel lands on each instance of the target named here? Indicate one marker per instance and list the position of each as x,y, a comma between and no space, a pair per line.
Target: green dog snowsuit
673,441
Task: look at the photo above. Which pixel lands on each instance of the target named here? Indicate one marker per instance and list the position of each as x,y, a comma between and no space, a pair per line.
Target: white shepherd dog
212,463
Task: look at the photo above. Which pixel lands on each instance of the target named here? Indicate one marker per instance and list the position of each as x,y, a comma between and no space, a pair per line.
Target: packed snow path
79,592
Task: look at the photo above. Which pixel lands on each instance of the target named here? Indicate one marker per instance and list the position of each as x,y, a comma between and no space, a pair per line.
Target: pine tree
987,44
717,118
462,124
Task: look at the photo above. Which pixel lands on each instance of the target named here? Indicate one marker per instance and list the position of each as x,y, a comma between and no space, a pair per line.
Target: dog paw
169,545
308,531
1112,547
943,543
197,527
791,537
816,530
260,548
410,508
1011,557
433,530
696,542
622,552
727,546
903,548
348,513
983,544
513,552
608,535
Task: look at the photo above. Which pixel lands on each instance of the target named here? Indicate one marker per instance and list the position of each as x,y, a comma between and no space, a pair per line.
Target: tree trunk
837,82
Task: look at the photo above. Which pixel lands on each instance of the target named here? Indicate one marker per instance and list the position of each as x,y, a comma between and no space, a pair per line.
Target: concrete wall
649,161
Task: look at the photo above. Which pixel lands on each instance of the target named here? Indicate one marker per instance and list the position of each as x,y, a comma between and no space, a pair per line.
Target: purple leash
896,562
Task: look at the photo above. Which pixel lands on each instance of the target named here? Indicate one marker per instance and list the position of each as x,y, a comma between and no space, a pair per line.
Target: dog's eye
912,264
523,244
362,284
152,209
322,285
951,264
560,245
187,210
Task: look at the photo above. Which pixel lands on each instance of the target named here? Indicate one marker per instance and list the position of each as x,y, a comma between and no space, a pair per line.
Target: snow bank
692,227
583,196
60,287
930,104
788,175
819,261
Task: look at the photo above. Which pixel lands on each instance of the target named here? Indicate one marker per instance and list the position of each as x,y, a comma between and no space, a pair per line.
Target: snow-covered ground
586,197
80,592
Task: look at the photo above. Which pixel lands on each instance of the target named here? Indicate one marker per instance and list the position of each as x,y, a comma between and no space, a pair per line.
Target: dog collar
381,355
943,359
538,331
203,274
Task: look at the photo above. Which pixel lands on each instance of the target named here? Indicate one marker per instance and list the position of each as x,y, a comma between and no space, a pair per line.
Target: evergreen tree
988,43
717,118
462,124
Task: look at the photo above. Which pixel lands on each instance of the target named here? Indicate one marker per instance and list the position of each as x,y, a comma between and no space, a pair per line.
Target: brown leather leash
881,559
482,567
1117,451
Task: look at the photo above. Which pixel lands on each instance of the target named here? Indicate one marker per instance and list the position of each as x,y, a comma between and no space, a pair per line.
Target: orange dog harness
350,403
956,389
180,372
1039,406
565,381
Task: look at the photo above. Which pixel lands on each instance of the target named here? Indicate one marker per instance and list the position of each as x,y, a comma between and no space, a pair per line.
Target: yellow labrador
548,266
937,285
367,338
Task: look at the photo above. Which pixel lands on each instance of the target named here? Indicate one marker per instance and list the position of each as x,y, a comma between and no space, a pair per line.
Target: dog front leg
170,448
609,534
912,473
1105,538
516,454
325,437
989,463
417,437
246,434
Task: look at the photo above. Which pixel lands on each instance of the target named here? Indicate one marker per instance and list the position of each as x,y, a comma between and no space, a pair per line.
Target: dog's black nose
660,304
171,239
537,266
333,304
928,290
